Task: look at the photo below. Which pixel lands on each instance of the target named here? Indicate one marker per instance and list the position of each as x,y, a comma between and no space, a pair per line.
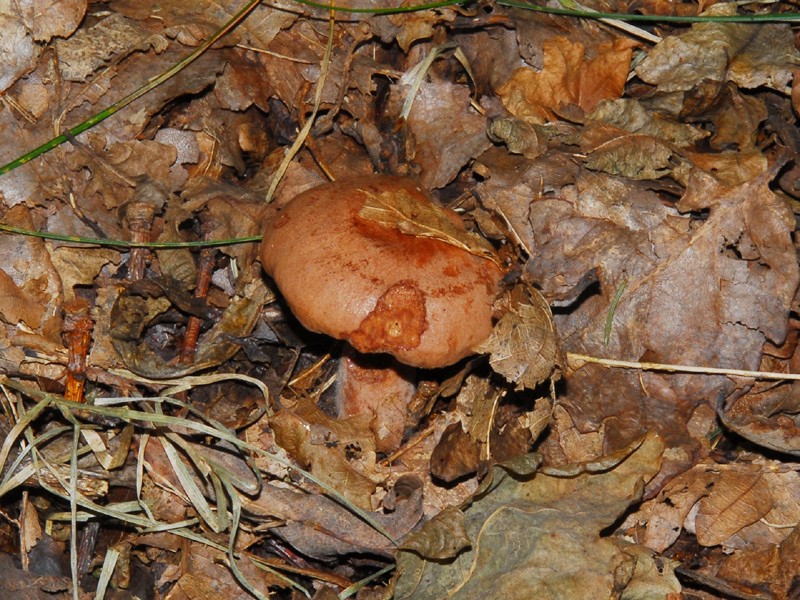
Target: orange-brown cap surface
423,300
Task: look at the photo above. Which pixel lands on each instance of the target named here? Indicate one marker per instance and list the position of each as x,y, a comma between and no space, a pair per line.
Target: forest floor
629,428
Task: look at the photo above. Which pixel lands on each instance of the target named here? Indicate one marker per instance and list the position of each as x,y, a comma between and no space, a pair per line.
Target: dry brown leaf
418,25
748,56
538,537
520,137
630,115
443,537
455,456
677,274
629,155
16,306
775,567
731,168
443,106
567,77
523,347
30,287
341,452
576,446
109,40
322,528
736,500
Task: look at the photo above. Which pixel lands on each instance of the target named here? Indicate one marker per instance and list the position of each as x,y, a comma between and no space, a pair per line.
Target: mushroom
373,261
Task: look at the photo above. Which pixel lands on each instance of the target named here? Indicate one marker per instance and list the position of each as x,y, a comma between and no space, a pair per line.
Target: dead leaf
341,452
533,536
676,275
748,56
567,77
736,500
523,347
409,215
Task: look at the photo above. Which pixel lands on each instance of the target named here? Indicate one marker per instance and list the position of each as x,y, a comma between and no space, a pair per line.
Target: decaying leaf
567,77
538,537
520,137
443,537
523,347
131,314
749,56
630,155
409,215
341,452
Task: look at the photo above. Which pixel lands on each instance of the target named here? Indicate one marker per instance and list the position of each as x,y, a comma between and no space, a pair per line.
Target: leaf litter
640,196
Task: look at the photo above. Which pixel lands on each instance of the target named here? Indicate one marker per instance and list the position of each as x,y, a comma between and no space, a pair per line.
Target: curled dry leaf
523,347
443,537
749,56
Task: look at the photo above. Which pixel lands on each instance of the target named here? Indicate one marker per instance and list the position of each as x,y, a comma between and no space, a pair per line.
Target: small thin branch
577,361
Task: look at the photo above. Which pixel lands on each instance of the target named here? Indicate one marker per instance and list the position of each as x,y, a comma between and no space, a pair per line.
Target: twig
577,360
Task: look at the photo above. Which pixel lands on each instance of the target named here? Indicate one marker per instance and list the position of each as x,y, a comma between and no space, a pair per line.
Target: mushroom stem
379,386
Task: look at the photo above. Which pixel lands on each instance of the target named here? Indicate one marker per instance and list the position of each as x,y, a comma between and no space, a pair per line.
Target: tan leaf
444,536
406,213
566,78
749,56
16,305
338,451
736,500
632,156
523,347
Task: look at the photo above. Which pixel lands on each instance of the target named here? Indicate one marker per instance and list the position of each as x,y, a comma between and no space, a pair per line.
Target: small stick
576,361
78,336
205,270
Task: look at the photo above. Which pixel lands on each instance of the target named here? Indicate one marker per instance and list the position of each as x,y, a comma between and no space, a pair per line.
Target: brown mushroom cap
424,301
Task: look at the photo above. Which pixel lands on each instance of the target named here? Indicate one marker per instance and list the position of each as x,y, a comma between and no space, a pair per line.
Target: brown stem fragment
77,336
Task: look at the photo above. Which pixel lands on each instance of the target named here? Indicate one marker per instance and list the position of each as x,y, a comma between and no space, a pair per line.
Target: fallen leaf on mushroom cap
422,300
408,214
537,536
